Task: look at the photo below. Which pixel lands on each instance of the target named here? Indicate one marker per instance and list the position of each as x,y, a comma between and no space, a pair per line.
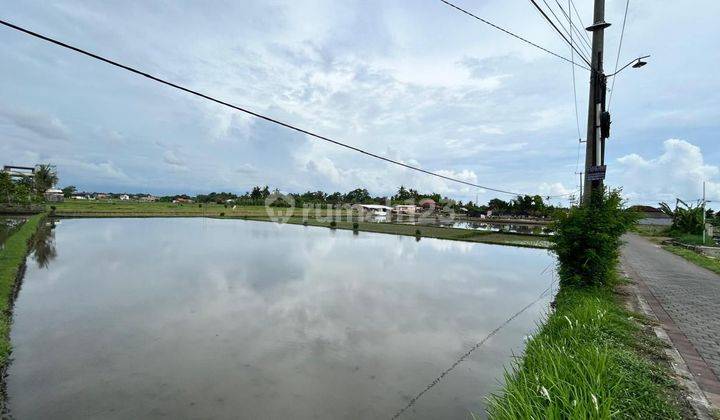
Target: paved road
688,294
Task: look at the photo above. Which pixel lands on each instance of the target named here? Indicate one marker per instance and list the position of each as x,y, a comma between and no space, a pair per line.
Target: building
19,171
428,203
147,198
405,209
54,195
124,197
652,216
374,209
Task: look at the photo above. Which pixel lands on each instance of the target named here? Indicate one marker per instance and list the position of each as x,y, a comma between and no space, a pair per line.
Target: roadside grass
695,258
692,239
12,257
589,360
652,230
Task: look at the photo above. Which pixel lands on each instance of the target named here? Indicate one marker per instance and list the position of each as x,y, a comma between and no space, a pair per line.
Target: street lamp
636,64
639,63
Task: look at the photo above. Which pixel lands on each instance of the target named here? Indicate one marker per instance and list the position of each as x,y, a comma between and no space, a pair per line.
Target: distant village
56,195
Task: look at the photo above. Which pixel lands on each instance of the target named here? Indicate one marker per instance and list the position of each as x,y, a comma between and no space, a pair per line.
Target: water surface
204,318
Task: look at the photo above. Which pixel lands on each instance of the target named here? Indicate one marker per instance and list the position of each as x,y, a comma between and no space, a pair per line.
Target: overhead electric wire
547,18
572,24
512,34
577,114
617,59
247,111
586,53
582,24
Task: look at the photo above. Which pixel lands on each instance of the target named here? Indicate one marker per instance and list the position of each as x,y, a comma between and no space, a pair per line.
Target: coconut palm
45,177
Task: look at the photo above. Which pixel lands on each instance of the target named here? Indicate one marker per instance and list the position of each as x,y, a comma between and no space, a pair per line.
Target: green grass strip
695,258
590,360
12,257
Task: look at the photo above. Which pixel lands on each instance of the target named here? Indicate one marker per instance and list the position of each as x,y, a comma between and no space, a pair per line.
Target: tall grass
12,257
692,239
588,361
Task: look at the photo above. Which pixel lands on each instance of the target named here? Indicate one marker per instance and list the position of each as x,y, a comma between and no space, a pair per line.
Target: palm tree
686,218
45,178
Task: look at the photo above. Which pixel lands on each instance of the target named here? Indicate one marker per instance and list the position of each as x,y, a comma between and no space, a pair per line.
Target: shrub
587,239
333,224
417,232
222,214
356,225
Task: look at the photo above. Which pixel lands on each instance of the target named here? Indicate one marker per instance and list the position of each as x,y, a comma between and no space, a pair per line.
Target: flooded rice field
221,319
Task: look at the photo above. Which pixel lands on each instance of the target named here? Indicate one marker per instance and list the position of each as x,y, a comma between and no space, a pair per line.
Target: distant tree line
525,205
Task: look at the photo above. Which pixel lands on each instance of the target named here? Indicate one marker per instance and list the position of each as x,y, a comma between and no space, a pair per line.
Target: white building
54,195
375,209
124,197
405,209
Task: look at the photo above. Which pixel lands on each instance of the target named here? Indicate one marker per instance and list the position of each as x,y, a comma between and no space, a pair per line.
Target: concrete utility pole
703,210
580,174
595,145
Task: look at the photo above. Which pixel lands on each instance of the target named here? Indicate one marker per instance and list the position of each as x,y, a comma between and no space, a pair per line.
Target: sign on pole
596,173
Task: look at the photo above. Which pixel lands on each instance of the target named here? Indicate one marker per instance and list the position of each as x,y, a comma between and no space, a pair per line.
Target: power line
574,83
617,60
582,24
572,25
571,60
547,18
247,111
577,114
512,34
567,31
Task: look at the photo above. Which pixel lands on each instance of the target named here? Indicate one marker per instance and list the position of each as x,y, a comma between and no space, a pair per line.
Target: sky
413,80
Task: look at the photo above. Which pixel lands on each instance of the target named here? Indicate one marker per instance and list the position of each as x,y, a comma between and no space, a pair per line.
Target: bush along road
591,358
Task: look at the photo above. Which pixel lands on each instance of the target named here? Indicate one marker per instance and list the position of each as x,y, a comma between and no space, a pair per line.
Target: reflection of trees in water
43,244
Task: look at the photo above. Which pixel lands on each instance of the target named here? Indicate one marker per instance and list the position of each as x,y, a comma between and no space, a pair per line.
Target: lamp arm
627,65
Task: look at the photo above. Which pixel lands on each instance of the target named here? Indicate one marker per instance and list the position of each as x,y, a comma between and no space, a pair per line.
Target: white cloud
553,189
426,85
678,172
246,169
41,124
172,159
325,168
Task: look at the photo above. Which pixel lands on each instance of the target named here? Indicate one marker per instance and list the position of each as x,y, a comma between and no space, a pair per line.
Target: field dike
12,267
